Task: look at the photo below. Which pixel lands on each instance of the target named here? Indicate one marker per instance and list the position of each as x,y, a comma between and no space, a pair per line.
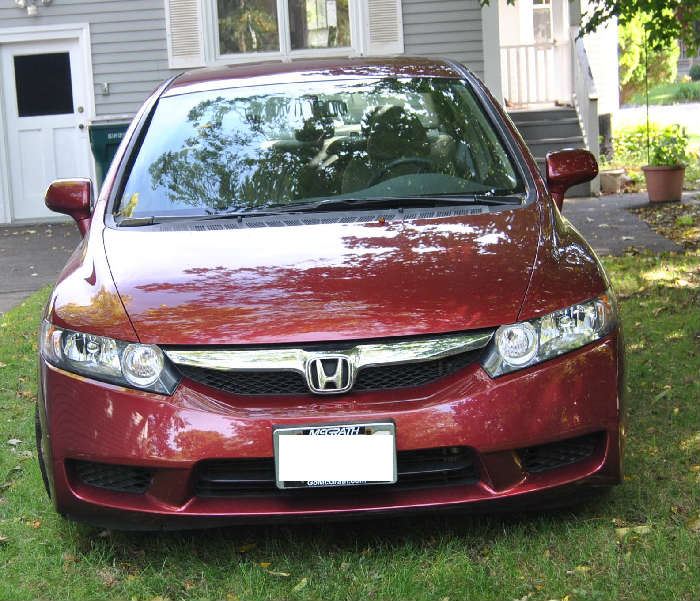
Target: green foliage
662,61
695,72
685,220
667,21
687,92
669,93
667,146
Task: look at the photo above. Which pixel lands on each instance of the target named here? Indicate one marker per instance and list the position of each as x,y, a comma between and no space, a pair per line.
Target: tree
668,20
660,66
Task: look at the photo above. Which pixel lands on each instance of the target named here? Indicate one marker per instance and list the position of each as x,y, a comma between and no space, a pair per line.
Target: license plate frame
321,444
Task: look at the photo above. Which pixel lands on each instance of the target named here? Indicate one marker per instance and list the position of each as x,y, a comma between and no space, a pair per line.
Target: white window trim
211,38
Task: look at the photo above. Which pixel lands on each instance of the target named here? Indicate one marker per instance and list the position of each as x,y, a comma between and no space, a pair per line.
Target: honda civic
331,288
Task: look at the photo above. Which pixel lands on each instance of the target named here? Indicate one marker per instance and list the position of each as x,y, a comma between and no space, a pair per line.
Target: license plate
335,455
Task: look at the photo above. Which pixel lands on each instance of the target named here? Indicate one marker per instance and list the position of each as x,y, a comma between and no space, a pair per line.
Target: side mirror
566,168
72,197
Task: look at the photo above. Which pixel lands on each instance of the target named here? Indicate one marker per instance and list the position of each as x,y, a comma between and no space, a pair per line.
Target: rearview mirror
72,197
566,168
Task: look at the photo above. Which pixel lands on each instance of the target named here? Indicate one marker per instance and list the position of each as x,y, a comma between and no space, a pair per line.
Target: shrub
667,146
695,72
687,92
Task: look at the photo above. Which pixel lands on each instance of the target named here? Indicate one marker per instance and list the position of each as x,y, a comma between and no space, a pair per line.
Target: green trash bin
104,141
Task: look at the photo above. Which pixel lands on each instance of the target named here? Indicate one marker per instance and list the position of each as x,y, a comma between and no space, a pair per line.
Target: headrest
392,132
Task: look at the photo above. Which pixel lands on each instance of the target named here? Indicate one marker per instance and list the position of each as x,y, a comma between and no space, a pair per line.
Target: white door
45,98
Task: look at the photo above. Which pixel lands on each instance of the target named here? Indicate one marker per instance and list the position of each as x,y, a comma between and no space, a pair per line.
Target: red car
326,289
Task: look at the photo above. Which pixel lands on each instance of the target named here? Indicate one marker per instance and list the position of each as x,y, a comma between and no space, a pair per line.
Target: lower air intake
119,478
551,456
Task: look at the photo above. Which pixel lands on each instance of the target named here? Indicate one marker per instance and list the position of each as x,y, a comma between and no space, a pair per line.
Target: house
68,67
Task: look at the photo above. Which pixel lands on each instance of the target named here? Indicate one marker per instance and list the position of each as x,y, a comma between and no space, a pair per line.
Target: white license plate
335,455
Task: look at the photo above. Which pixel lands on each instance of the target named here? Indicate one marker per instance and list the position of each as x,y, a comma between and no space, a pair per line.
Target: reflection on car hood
325,282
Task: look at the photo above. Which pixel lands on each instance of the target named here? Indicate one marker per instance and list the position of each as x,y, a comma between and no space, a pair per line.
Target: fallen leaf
108,577
1,363
265,564
36,524
623,532
300,585
13,442
693,525
3,539
579,570
247,547
282,574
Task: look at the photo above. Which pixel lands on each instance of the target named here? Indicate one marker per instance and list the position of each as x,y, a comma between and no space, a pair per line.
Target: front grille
120,478
429,467
248,382
378,377
405,375
550,456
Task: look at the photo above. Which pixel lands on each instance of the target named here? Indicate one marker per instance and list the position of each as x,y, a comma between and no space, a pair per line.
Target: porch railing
528,72
585,96
585,93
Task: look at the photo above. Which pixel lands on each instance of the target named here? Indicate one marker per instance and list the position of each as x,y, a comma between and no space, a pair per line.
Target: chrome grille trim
359,356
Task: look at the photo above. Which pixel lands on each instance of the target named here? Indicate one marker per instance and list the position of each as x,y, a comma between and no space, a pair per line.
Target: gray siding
128,45
448,28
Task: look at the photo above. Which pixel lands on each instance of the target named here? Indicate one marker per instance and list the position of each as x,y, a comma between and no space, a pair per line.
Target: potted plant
668,153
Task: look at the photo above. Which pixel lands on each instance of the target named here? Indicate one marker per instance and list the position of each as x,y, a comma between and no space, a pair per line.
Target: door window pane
542,21
319,24
43,83
247,26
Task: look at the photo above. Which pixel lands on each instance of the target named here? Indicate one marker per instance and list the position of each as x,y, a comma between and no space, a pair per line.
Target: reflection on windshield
249,148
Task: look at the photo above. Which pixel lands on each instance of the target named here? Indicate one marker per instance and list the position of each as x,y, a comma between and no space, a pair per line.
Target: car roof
267,73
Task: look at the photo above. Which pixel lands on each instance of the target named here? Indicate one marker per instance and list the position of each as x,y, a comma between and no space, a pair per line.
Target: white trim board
42,33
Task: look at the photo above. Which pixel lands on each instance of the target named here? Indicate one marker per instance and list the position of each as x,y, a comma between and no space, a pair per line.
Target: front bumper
570,397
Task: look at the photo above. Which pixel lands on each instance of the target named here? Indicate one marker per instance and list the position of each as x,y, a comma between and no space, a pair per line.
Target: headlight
140,366
524,344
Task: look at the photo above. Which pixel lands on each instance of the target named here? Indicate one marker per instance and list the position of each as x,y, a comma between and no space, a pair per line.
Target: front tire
39,452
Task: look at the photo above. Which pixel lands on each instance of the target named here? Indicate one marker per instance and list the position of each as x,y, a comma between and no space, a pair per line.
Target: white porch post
492,49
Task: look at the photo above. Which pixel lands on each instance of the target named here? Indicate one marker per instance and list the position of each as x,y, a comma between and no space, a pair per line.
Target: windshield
246,149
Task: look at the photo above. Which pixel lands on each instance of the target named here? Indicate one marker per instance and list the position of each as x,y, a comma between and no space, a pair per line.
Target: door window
43,83
542,21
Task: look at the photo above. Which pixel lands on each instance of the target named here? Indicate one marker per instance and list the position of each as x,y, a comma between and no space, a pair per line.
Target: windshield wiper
401,201
331,204
156,219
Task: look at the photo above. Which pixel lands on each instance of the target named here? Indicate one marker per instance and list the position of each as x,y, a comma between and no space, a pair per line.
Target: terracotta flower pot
664,184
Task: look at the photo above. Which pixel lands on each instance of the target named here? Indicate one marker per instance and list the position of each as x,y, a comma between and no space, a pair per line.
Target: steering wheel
395,163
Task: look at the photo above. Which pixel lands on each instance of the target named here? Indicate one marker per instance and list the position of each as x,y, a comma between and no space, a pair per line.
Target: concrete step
540,147
560,128
553,114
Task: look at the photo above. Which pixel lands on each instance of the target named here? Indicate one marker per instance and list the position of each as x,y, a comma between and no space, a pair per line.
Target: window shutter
384,28
183,21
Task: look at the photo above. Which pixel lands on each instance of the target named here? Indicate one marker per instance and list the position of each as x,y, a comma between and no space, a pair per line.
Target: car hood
323,282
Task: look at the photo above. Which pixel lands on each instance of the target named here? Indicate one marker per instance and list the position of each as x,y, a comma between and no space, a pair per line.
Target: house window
542,21
211,32
281,26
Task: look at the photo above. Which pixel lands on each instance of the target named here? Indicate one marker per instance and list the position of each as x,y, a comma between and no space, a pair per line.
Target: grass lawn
640,542
665,93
